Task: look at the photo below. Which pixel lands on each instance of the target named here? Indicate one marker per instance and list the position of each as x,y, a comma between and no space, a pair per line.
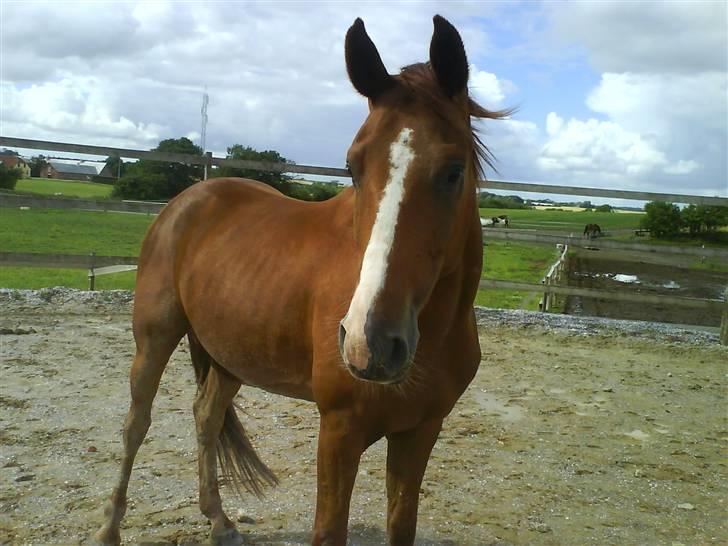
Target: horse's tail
236,455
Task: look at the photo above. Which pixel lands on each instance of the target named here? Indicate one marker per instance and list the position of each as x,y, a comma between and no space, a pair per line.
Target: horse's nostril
399,354
342,336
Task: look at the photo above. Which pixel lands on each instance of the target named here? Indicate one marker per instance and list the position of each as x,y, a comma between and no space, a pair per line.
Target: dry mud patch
567,436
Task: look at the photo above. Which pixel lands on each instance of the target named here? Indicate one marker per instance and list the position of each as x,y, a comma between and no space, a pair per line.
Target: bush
157,180
490,201
9,177
662,219
141,186
604,208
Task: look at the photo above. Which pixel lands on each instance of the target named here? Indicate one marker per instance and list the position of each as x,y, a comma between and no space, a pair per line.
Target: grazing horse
592,231
362,304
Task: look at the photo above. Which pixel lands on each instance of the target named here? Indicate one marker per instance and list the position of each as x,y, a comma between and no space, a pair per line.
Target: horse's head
414,165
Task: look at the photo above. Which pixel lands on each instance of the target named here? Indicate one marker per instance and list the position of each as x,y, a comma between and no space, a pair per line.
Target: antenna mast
203,130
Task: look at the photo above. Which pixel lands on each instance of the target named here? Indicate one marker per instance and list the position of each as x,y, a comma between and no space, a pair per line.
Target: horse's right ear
364,65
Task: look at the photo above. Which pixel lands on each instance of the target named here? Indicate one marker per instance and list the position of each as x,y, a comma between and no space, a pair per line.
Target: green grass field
72,232
524,262
117,234
67,188
565,220
38,277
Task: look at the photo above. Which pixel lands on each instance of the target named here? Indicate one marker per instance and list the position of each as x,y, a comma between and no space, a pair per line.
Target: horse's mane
420,80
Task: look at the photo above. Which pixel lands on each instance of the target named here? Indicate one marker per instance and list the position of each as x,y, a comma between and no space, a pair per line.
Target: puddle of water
622,277
492,404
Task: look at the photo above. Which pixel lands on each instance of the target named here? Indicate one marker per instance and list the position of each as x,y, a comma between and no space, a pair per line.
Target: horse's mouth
378,375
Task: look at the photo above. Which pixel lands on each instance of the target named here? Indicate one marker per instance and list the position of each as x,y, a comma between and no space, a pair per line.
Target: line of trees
156,180
667,220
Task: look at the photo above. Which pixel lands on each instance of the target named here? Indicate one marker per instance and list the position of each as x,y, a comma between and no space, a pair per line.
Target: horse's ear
364,65
447,57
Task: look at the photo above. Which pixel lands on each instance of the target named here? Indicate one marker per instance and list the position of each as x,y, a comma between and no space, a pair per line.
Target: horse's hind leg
214,399
154,347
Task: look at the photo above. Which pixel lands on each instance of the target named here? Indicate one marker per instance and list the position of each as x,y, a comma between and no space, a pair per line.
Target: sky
623,95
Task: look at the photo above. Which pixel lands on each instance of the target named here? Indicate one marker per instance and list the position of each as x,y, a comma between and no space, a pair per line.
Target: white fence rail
552,277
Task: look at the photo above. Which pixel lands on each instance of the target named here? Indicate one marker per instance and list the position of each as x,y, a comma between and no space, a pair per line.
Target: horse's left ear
447,57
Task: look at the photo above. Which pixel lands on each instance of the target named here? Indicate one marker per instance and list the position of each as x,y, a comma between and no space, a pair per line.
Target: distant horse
494,221
592,231
362,303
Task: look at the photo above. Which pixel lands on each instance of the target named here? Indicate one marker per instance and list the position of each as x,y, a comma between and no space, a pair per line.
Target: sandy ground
573,432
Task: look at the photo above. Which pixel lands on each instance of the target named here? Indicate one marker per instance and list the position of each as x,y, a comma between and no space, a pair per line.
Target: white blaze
376,257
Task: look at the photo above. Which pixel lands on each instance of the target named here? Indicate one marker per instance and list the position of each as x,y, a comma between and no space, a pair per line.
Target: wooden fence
92,261
209,161
20,200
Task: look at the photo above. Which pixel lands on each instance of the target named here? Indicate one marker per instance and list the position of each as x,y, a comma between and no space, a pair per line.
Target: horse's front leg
340,445
407,456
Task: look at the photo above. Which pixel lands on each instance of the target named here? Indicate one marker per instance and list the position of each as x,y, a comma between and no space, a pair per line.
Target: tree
703,218
116,165
37,163
604,208
662,219
147,179
238,151
9,177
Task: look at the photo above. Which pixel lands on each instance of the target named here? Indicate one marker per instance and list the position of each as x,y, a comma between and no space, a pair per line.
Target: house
68,171
15,162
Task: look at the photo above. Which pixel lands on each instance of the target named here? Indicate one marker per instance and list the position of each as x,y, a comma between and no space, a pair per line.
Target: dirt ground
566,436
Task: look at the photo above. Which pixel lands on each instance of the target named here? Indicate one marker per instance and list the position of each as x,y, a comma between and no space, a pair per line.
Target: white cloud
603,147
486,88
80,108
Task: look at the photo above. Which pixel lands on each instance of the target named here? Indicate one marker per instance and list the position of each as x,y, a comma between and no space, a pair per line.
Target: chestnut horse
362,304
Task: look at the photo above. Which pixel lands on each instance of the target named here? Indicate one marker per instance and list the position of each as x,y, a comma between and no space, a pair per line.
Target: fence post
724,320
91,274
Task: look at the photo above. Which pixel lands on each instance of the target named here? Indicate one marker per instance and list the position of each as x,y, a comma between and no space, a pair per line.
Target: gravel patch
69,300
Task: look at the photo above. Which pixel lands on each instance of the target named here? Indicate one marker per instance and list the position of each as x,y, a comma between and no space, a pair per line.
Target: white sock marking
376,257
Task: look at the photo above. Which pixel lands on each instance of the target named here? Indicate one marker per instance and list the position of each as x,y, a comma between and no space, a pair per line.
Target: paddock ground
569,435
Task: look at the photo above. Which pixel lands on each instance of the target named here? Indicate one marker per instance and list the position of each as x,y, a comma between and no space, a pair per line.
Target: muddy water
594,271
562,439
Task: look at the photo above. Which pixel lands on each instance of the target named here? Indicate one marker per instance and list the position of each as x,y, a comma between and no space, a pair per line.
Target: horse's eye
455,175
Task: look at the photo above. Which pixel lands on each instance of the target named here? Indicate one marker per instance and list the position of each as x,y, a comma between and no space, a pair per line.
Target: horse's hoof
228,537
103,538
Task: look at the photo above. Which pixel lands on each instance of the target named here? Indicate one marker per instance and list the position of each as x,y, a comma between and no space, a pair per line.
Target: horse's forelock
420,80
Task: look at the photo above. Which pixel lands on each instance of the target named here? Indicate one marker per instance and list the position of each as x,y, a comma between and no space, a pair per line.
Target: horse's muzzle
383,355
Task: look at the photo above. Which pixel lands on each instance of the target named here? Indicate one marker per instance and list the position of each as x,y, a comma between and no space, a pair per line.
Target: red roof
11,161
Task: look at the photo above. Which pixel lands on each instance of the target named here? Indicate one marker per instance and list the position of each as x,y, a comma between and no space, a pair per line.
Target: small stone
669,374
686,506
91,449
25,478
639,473
243,518
607,389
